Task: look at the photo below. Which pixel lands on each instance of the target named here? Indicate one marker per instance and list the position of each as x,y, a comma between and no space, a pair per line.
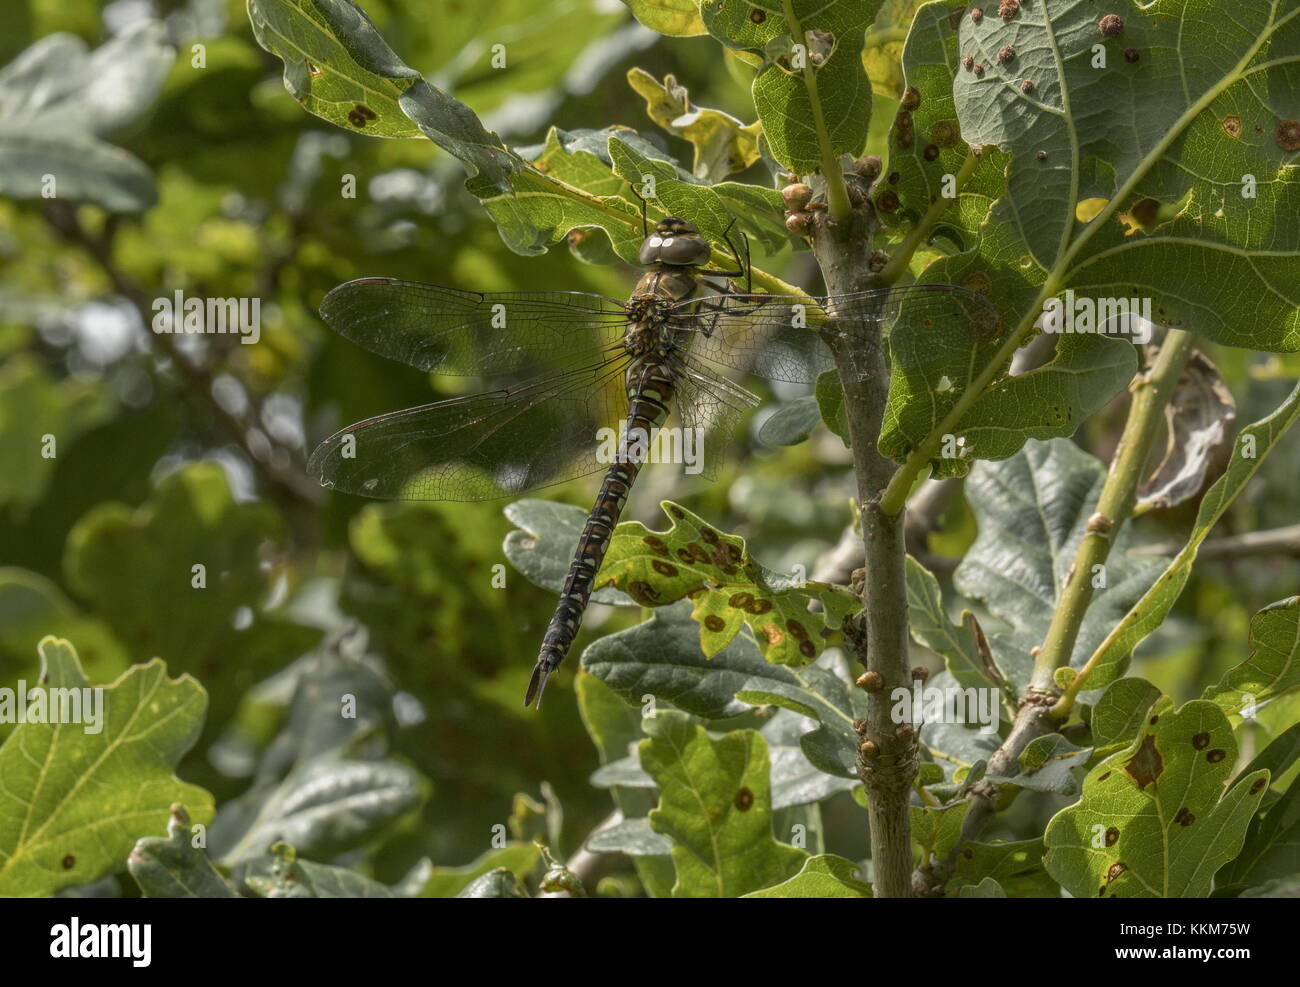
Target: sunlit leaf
75,796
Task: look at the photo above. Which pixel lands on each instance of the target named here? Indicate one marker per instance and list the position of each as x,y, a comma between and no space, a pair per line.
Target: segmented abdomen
650,392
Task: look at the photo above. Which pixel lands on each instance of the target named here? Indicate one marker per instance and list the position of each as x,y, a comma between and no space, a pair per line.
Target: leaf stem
901,485
1151,392
901,256
837,195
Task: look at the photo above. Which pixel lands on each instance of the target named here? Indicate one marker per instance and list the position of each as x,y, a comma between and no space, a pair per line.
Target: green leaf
33,404
581,158
662,658
785,106
937,830
123,561
1206,121
60,86
1273,667
1122,711
1154,821
935,362
1201,183
73,803
925,145
84,170
712,208
32,607
173,867
830,404
283,875
56,101
796,780
615,728
324,806
499,883
714,804
340,69
964,648
580,181
957,746
1272,845
1253,443
674,18
633,837
728,588
1017,867
1047,764
823,876
1032,510
792,423
987,888
453,882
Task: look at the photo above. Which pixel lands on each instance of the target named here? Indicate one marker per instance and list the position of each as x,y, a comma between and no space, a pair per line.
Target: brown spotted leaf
1154,820
715,805
728,588
1154,164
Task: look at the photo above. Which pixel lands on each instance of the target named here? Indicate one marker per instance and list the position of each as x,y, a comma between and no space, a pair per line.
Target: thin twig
1251,544
1040,713
1151,392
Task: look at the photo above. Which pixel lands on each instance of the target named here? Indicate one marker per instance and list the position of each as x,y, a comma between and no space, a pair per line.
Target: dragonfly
572,369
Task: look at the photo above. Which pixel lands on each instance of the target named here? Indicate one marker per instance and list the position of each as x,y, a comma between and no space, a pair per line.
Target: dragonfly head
675,241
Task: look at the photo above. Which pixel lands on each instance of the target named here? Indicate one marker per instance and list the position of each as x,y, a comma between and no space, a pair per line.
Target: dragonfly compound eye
684,249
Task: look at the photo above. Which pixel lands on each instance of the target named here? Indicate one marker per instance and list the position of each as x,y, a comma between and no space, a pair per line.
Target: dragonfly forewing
451,331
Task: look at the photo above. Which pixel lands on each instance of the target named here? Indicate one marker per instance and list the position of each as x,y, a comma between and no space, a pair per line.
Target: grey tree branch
1276,541
887,753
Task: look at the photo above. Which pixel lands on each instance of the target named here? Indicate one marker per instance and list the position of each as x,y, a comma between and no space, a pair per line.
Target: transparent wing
778,338
481,447
450,331
709,409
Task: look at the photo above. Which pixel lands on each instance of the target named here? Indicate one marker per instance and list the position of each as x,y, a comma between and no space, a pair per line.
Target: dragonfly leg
704,306
645,231
746,268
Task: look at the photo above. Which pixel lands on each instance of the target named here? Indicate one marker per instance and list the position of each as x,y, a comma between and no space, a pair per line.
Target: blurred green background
157,469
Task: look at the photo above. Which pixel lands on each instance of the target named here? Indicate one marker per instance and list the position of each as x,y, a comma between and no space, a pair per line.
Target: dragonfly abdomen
650,392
